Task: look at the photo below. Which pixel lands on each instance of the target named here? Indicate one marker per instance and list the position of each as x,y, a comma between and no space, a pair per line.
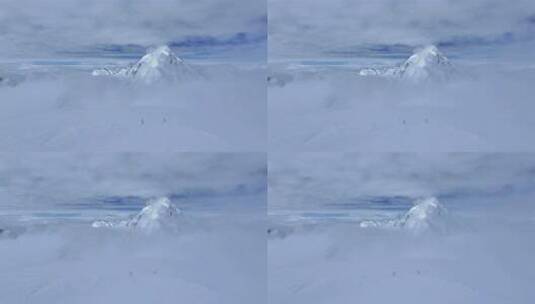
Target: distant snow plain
214,259
330,107
71,110
487,261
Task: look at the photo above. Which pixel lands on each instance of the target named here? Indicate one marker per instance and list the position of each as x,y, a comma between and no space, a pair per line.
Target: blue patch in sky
467,41
117,203
238,190
393,51
375,203
237,39
56,215
135,203
456,46
188,47
57,62
111,51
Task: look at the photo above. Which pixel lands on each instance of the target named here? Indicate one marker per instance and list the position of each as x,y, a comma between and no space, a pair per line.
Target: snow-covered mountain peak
429,55
426,215
160,59
424,64
157,214
157,64
159,56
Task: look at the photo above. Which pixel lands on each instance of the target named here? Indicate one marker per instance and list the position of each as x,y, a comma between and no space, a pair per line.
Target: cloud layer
315,180
49,181
314,28
40,28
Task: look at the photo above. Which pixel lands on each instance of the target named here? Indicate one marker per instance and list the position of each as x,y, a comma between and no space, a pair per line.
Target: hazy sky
42,181
318,180
63,28
318,28
238,29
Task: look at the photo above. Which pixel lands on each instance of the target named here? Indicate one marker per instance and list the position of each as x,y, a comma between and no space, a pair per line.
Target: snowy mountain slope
158,64
158,214
425,64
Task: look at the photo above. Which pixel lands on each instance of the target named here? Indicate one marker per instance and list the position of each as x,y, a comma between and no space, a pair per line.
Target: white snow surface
214,260
339,263
76,111
159,64
332,109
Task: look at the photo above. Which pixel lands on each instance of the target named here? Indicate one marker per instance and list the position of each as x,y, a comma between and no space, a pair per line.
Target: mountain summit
158,214
427,63
158,64
427,215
